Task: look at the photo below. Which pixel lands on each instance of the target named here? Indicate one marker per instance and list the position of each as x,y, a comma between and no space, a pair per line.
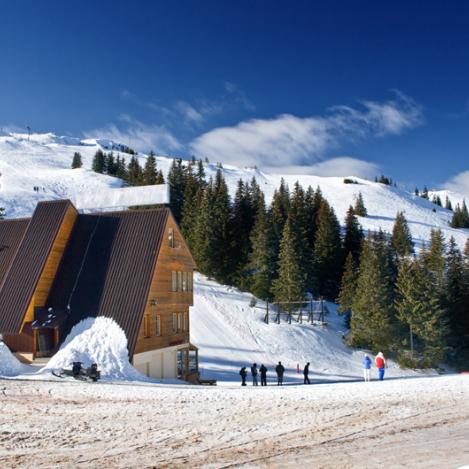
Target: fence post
267,312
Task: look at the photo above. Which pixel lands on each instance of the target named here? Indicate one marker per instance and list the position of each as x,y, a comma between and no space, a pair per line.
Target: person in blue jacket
366,367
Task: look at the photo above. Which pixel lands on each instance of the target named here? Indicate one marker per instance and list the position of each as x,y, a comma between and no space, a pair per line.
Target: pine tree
434,258
360,209
2,213
242,223
261,259
280,207
110,166
456,296
448,205
77,161
327,254
419,309
203,235
372,302
401,240
134,171
98,164
159,177
289,286
348,286
424,193
121,168
150,173
353,235
299,219
192,201
222,241
176,181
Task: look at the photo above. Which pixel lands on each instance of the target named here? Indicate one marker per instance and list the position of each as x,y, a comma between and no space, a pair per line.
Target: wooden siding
55,256
161,300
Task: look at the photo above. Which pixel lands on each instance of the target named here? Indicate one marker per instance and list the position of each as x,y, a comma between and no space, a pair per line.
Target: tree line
416,307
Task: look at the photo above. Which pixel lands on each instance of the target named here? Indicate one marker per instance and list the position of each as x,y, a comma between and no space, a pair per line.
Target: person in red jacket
380,364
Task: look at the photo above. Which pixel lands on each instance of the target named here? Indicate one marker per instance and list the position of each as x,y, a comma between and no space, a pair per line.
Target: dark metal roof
28,264
11,234
107,268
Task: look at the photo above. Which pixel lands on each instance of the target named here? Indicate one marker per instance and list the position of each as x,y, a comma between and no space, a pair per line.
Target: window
175,325
170,237
179,281
190,281
179,323
158,325
146,326
174,281
184,281
184,325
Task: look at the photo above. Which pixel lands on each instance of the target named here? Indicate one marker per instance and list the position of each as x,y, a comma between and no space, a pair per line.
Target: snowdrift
97,340
231,334
9,364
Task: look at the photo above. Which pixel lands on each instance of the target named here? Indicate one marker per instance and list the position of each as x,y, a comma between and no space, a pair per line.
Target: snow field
378,424
231,334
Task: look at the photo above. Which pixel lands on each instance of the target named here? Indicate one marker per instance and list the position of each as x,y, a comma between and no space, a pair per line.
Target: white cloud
137,135
459,183
341,166
288,140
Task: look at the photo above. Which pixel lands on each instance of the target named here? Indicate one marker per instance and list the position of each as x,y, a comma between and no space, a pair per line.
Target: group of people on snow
262,371
380,363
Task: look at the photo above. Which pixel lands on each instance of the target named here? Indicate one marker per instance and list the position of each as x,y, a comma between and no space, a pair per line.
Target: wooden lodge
60,266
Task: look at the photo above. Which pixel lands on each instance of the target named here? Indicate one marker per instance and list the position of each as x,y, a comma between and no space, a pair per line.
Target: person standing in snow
306,374
254,374
243,373
381,365
366,367
263,373
280,370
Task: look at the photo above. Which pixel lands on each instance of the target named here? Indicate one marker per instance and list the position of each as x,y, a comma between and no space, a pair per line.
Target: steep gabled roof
28,264
108,266
11,234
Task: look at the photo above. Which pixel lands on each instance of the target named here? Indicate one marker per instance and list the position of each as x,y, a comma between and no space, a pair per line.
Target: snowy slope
44,160
231,334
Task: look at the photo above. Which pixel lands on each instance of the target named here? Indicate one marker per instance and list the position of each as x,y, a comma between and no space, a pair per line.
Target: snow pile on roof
9,364
97,340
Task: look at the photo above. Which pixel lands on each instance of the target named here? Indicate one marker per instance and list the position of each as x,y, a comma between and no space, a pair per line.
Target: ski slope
231,334
44,160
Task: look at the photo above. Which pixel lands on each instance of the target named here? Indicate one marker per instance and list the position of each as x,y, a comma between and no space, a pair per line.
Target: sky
335,88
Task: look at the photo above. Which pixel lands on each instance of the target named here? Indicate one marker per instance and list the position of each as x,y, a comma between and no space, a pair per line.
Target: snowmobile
79,372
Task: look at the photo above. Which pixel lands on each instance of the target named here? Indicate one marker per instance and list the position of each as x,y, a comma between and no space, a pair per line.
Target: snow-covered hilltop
43,161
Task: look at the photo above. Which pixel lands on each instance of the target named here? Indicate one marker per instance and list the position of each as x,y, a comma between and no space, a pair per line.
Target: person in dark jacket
243,373
263,373
254,374
280,370
306,374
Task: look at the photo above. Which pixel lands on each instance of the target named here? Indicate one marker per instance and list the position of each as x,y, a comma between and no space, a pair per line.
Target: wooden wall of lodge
170,259
46,279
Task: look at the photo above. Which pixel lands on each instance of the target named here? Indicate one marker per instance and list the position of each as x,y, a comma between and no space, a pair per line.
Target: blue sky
278,84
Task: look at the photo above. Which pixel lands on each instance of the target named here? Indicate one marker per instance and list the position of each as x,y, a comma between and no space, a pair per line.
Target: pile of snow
97,340
230,334
9,364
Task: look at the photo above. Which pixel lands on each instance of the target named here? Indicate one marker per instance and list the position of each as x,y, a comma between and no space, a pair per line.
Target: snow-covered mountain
43,160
